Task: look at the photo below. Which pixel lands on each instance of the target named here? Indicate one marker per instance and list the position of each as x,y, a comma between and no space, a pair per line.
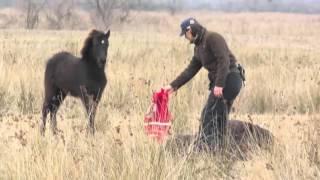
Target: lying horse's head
95,48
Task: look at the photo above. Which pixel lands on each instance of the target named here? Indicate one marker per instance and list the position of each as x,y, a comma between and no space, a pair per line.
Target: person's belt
234,68
238,69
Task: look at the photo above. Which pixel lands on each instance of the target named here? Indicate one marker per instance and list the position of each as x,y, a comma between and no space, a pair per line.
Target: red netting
157,121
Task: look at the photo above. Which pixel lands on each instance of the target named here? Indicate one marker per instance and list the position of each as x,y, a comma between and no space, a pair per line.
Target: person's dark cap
186,25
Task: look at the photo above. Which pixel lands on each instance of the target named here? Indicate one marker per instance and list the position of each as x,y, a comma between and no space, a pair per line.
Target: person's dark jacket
212,53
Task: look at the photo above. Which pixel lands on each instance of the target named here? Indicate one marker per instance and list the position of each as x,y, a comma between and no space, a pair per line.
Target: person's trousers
214,116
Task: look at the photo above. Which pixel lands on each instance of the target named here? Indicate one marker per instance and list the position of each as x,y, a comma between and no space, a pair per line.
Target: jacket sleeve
219,48
192,69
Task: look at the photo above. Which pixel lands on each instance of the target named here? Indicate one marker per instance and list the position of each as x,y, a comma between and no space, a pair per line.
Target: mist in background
84,14
298,6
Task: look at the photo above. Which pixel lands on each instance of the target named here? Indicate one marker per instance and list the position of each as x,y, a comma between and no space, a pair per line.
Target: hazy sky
308,6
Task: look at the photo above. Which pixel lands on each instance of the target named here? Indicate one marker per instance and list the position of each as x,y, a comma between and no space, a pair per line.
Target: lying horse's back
242,136
244,132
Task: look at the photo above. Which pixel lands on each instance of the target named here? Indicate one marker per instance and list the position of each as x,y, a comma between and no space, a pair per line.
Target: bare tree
173,7
59,13
32,9
7,20
107,11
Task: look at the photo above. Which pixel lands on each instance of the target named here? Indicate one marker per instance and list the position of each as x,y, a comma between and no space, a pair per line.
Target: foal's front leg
91,106
91,110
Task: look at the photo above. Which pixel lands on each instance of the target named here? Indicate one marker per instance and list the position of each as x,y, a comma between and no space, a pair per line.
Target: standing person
211,52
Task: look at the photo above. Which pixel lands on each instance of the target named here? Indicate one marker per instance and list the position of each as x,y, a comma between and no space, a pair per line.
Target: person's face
188,35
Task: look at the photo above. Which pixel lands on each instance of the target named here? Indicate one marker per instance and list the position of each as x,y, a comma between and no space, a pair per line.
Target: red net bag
157,121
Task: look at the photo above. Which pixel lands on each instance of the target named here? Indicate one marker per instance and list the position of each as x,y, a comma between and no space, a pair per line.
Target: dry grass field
282,94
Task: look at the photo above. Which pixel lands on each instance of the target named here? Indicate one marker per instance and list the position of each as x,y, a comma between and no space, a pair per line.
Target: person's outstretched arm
192,69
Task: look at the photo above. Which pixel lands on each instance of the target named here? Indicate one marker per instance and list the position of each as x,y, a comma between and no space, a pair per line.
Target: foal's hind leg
50,92
42,124
55,104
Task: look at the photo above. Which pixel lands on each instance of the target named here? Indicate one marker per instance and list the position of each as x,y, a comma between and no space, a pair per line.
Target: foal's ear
107,34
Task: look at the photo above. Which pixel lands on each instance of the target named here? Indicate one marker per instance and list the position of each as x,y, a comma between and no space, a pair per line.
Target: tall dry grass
282,93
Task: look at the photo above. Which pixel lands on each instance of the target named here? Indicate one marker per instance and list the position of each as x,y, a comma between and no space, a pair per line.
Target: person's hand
217,91
169,89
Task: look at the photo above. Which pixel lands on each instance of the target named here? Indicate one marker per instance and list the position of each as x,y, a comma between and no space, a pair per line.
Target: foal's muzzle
102,62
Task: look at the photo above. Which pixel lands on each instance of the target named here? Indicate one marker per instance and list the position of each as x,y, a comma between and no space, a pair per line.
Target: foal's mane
85,51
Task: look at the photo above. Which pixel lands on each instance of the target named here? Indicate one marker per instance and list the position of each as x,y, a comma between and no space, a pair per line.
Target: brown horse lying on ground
242,137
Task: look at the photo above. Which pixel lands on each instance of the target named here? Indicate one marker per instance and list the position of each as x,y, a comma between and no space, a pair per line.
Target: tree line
103,12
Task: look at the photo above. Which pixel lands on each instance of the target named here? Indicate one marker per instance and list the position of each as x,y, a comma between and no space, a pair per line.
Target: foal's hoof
42,129
90,131
54,131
